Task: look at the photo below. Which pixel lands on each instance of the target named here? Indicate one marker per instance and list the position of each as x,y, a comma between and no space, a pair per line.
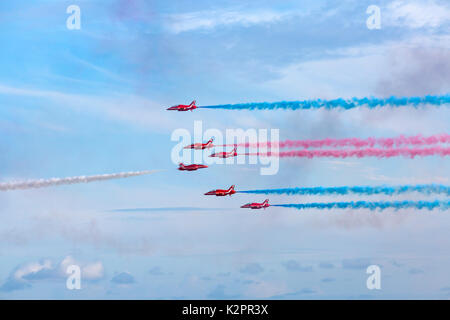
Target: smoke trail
417,140
365,190
359,153
338,103
5,186
381,205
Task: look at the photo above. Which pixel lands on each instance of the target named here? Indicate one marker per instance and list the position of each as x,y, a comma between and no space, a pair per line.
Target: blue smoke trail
365,190
338,103
381,205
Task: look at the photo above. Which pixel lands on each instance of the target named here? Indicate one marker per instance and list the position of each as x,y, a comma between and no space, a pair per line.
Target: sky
93,101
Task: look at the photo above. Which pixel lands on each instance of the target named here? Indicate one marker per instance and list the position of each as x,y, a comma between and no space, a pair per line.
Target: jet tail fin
192,103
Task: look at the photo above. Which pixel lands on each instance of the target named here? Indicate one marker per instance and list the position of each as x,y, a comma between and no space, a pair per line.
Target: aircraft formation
409,147
386,147
209,144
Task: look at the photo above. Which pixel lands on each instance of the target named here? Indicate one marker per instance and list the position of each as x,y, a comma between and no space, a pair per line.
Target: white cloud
401,13
32,268
93,271
326,79
346,72
30,272
417,14
67,261
212,19
89,271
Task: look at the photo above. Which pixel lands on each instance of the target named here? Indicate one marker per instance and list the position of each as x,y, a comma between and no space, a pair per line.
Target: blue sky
92,101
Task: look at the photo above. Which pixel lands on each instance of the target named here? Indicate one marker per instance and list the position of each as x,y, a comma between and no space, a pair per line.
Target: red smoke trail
359,153
417,140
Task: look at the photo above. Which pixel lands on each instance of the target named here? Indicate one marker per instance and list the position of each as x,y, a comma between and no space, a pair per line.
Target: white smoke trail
41,183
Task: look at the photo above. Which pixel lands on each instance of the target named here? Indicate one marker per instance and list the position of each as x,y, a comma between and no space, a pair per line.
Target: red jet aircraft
232,153
201,146
183,107
221,192
191,167
256,205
